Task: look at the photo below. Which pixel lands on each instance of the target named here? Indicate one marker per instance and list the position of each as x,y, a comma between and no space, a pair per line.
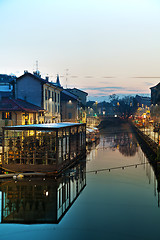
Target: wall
49,104
29,89
69,109
80,94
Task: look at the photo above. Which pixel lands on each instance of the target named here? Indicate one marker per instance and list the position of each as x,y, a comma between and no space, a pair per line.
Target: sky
103,47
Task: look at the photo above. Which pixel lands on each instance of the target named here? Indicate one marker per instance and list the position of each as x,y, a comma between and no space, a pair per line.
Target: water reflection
41,200
102,158
124,142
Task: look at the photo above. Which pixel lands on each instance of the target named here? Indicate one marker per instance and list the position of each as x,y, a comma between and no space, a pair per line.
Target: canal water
110,195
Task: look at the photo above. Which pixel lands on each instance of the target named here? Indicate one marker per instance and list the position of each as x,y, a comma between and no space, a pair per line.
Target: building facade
7,84
155,94
80,94
69,107
40,92
19,112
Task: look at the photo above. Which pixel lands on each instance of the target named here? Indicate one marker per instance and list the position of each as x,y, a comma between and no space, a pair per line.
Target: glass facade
56,147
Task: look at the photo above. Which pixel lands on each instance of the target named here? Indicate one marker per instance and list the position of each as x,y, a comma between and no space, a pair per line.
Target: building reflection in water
37,200
124,142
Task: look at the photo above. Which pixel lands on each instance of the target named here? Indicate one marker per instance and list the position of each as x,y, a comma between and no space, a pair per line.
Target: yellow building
19,112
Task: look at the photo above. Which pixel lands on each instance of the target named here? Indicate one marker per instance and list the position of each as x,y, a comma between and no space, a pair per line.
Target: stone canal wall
148,145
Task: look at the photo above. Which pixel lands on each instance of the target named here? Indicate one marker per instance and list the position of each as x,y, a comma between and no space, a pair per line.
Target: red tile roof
7,104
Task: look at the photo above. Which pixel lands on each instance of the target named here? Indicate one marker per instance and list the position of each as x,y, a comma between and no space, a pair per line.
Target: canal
111,195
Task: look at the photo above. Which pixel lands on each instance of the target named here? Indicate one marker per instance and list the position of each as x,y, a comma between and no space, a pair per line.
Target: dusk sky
102,46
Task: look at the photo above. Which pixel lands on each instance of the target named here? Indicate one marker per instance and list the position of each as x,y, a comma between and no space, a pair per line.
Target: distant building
7,83
155,94
81,94
69,107
19,112
40,92
143,101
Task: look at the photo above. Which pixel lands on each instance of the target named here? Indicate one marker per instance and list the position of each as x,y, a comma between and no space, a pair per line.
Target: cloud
148,83
146,77
102,88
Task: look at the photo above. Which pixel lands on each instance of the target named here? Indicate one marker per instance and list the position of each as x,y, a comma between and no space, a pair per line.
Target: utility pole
37,66
67,76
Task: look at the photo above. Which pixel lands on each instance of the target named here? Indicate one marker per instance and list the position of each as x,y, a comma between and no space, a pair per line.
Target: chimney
37,73
47,78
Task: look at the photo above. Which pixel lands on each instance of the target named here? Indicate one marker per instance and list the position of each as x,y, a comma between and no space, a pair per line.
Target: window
52,107
45,94
58,97
55,97
58,108
52,96
49,107
49,93
6,115
55,108
69,115
41,114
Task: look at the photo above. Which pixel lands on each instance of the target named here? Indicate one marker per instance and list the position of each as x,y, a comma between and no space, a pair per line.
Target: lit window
6,115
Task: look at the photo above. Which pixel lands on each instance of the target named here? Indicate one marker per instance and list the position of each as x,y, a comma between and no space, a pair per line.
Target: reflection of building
124,142
41,201
43,147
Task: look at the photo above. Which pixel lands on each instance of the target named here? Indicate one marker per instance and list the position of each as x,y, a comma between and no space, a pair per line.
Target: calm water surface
111,195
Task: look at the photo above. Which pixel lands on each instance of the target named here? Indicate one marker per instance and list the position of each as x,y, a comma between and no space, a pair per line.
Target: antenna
66,76
37,66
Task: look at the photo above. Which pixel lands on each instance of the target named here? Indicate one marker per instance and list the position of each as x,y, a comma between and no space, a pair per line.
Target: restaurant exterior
47,148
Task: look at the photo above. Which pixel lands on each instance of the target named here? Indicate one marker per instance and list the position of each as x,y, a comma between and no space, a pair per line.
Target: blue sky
108,46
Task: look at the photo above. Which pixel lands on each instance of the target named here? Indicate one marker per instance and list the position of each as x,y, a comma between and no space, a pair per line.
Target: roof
55,85
33,76
4,78
66,94
46,126
70,89
7,104
155,86
38,77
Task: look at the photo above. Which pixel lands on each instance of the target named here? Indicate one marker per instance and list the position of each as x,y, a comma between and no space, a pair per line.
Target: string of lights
114,168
